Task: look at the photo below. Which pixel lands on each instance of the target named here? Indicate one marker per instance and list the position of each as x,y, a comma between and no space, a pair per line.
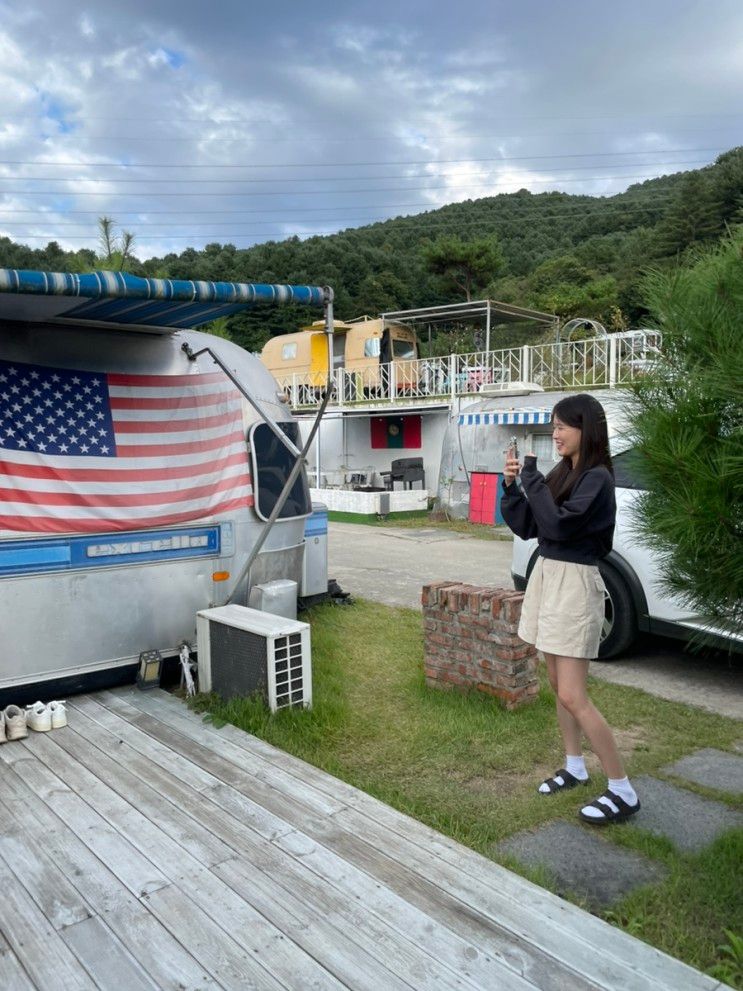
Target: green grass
425,520
467,767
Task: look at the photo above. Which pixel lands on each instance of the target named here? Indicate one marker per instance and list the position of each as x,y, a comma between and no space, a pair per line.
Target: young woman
572,514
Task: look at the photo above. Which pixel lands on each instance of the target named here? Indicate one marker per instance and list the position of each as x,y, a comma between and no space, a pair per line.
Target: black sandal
568,781
624,811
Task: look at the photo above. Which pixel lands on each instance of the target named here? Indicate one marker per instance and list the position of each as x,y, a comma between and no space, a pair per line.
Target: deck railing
599,361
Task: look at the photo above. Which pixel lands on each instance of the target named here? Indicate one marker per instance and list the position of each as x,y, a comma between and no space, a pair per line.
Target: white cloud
471,92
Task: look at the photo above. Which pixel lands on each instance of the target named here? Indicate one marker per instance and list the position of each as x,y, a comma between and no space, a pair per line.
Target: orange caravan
372,349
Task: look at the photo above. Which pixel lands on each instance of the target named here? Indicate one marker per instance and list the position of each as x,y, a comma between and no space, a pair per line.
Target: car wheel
620,622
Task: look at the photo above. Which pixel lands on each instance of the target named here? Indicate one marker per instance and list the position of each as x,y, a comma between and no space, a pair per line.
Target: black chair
405,470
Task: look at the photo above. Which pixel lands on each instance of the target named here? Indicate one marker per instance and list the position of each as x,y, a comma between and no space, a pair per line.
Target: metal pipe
298,464
192,356
283,495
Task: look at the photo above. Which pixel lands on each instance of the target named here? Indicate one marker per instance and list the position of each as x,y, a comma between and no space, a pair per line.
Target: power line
510,216
325,192
357,178
309,165
419,114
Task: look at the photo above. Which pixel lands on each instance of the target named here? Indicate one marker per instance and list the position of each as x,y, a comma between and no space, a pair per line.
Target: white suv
634,601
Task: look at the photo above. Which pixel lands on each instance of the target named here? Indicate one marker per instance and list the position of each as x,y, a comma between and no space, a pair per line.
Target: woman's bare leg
569,726
572,677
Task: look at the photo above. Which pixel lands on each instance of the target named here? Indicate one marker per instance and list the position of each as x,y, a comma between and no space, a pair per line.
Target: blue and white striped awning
120,299
524,417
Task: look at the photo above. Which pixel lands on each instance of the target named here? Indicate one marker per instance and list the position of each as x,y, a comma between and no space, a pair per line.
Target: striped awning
120,299
524,417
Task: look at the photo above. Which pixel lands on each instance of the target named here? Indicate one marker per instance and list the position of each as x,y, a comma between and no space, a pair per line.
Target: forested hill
570,255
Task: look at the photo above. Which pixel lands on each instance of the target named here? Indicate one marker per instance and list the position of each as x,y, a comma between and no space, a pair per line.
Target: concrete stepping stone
689,821
582,862
713,768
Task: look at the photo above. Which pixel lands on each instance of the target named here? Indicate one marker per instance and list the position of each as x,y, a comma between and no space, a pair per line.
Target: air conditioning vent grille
288,668
243,661
245,652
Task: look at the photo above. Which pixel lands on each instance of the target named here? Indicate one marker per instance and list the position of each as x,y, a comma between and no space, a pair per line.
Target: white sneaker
59,714
3,737
15,723
39,717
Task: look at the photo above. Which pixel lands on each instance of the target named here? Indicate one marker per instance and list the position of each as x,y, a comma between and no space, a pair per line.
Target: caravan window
272,464
339,350
403,350
289,351
371,347
544,447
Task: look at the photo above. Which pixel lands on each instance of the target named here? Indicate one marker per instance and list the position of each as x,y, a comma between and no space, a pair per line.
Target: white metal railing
598,361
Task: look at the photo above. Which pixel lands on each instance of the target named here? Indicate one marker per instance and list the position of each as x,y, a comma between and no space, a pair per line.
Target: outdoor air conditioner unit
244,651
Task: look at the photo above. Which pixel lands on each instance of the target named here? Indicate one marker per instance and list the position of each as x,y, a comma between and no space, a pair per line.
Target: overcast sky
241,122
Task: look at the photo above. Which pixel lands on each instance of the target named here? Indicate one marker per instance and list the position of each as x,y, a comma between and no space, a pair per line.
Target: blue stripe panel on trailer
45,554
316,524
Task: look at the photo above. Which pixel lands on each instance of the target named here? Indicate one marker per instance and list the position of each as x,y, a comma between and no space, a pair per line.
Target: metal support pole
275,429
487,328
613,342
452,376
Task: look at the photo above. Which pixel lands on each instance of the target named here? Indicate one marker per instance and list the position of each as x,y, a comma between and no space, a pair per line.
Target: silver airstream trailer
137,472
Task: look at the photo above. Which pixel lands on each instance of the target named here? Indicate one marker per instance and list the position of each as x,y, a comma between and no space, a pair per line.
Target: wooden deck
142,848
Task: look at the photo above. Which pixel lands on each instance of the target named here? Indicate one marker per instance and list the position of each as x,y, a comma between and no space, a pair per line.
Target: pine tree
688,425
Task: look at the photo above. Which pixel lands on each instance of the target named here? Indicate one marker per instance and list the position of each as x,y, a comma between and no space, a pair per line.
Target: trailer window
403,350
272,464
339,350
371,347
289,351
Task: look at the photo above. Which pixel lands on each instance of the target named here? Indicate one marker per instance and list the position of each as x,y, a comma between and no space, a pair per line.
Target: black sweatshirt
580,530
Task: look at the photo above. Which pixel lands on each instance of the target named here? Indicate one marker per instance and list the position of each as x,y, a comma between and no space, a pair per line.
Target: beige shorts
563,609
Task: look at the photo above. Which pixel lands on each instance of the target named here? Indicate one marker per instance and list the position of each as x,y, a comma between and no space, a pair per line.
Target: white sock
573,765
620,787
576,766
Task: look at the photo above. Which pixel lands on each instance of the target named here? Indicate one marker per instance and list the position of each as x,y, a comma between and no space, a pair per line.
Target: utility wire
358,178
325,192
309,165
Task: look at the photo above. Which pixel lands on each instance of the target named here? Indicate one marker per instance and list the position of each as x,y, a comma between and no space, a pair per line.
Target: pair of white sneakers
15,722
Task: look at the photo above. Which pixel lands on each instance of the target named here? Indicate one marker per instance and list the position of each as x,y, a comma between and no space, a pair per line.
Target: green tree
116,247
465,265
688,425
693,217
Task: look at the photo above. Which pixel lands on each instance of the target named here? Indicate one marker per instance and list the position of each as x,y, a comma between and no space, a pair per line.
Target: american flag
86,452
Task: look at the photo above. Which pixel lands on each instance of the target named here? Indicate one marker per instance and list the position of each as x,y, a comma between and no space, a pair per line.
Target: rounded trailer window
272,463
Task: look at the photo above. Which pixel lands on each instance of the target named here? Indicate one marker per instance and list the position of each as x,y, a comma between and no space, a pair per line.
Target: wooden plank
139,741
253,765
60,902
356,965
658,966
409,961
105,958
134,870
170,966
12,976
185,830
461,937
501,941
231,801
197,884
267,801
229,964
36,944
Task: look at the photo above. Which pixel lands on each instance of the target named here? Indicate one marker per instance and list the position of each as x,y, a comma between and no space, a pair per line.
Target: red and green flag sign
396,431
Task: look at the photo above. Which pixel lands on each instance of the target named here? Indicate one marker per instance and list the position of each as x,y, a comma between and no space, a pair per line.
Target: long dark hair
587,414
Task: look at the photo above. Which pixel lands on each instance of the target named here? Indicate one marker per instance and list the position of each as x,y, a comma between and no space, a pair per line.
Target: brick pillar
471,642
